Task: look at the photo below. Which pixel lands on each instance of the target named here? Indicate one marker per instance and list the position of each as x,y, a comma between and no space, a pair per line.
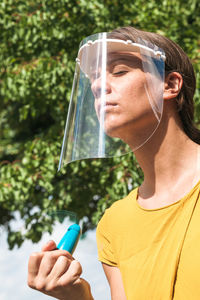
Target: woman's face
125,101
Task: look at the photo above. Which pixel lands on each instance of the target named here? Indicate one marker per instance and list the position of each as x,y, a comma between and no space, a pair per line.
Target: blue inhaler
70,239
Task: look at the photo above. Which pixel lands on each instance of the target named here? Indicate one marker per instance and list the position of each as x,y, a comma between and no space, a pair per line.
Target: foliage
39,42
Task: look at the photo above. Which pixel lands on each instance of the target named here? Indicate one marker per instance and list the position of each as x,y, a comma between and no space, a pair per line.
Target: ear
172,86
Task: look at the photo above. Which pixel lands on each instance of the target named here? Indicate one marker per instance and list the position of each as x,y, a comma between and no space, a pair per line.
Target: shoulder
120,211
124,204
115,221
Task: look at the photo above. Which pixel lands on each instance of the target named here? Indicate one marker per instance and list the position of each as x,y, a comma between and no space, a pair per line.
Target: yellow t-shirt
156,250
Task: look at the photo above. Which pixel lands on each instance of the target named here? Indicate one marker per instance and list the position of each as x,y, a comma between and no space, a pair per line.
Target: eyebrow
123,58
120,58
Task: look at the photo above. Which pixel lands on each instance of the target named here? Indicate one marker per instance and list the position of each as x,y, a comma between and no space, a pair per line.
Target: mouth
108,106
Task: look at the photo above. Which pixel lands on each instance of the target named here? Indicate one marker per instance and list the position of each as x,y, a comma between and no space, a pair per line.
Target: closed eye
119,69
118,73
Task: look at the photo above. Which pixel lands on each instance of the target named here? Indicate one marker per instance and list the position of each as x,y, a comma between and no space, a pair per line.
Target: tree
39,43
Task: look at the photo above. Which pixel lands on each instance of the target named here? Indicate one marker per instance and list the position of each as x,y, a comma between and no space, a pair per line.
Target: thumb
51,245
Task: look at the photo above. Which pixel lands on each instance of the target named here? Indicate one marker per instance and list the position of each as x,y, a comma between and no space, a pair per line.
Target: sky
13,267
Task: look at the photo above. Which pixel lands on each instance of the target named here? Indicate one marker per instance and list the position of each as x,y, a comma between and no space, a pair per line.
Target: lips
108,103
109,106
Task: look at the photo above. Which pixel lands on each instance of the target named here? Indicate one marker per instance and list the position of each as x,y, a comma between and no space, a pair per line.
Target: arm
115,281
57,274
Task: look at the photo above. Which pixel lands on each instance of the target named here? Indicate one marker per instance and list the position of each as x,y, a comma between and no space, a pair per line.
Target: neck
168,160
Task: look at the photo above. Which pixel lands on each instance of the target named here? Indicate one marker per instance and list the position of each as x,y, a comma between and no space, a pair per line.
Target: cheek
134,95
133,85
135,103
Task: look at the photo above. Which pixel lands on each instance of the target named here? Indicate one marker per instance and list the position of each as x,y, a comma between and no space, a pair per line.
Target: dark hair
176,61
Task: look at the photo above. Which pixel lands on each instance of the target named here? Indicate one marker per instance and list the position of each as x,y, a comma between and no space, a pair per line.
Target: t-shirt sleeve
104,241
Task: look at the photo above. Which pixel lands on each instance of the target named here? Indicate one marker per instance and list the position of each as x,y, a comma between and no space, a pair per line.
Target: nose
100,86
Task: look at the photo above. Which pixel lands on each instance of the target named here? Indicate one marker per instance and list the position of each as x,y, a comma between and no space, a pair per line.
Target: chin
112,134
112,129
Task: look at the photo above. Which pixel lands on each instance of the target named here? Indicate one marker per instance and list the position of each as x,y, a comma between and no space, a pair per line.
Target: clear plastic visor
116,100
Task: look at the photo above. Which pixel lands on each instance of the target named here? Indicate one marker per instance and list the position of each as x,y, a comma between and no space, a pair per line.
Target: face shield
116,99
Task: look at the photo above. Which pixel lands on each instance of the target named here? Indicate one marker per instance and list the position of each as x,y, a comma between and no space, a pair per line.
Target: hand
57,274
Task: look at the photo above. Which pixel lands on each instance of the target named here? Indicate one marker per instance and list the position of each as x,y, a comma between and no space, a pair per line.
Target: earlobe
172,86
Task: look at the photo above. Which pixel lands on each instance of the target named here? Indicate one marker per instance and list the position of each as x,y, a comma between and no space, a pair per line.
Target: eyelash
120,73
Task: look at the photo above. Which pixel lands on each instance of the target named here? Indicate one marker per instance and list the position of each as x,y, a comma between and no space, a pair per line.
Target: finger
61,266
51,245
34,263
49,260
33,267
73,273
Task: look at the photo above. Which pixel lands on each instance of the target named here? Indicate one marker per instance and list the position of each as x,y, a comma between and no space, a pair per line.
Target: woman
148,242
